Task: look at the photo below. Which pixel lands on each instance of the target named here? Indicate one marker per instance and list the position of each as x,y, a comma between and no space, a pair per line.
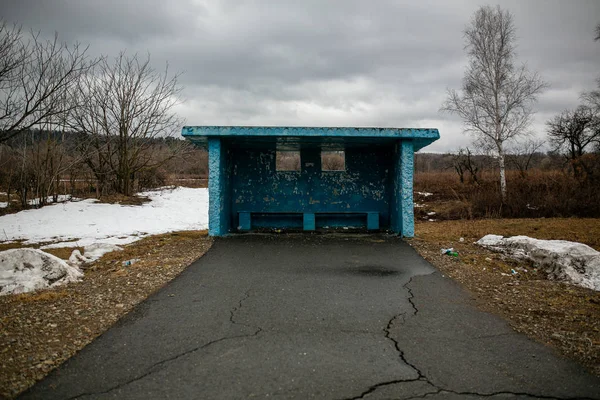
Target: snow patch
561,259
95,251
77,259
26,270
424,194
87,222
92,253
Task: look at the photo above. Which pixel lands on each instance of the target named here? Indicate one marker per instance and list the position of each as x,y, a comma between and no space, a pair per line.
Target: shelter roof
290,137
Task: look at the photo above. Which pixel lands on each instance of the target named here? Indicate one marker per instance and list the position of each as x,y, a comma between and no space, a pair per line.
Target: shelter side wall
407,167
395,185
401,203
362,187
219,187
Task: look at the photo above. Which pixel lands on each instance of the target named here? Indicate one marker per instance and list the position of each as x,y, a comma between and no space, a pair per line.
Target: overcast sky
325,63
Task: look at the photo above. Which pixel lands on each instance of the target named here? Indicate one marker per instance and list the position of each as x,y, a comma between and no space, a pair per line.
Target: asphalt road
303,317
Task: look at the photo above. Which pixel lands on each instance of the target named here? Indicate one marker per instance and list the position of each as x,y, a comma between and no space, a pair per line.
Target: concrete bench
308,218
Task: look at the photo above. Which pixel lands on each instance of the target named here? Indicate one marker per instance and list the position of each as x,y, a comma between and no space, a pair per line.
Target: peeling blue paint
407,227
246,191
219,185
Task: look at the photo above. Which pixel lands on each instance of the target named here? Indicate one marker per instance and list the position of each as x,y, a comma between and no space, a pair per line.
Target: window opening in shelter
333,160
287,161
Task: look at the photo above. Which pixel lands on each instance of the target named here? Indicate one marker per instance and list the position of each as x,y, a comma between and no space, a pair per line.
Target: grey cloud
130,20
310,62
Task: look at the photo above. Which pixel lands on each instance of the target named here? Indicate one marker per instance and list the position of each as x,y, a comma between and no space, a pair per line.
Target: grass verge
561,315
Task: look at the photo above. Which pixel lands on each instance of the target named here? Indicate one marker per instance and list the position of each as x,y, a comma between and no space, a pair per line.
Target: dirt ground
40,330
564,316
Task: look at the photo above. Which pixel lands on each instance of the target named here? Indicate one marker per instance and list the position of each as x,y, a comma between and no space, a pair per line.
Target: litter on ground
450,252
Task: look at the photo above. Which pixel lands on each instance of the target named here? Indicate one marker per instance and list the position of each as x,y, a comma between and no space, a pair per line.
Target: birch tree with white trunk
497,96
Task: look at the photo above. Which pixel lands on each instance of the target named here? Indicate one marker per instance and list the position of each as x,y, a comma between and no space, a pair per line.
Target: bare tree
8,169
124,106
463,162
497,97
573,133
35,77
522,153
591,99
597,32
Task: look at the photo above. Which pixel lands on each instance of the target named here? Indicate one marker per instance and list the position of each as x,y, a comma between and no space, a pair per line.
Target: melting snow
26,270
86,222
424,194
91,253
97,227
97,250
572,261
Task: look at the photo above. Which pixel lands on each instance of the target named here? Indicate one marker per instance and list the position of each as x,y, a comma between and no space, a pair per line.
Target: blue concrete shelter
248,190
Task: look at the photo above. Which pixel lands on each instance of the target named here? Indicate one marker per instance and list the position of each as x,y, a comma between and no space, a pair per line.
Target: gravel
40,330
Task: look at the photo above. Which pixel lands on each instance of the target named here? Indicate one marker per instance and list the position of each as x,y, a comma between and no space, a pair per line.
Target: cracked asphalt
313,316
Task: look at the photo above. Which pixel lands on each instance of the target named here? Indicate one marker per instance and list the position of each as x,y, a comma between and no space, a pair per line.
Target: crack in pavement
502,393
411,296
236,309
421,377
157,366
373,388
439,390
387,332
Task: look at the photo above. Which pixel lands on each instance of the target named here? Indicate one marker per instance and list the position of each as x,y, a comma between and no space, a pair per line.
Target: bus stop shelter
249,190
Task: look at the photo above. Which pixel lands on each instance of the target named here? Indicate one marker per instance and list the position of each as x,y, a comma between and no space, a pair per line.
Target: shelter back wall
364,186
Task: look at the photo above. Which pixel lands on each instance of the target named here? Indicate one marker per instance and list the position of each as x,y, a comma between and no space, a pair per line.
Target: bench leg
373,221
245,221
309,221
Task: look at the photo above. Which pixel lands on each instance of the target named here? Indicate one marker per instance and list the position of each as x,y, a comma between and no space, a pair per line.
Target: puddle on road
372,270
376,271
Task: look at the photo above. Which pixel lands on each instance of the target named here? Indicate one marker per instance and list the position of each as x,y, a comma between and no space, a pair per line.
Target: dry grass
40,330
47,296
191,181
541,193
564,316
17,244
63,252
123,200
584,230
